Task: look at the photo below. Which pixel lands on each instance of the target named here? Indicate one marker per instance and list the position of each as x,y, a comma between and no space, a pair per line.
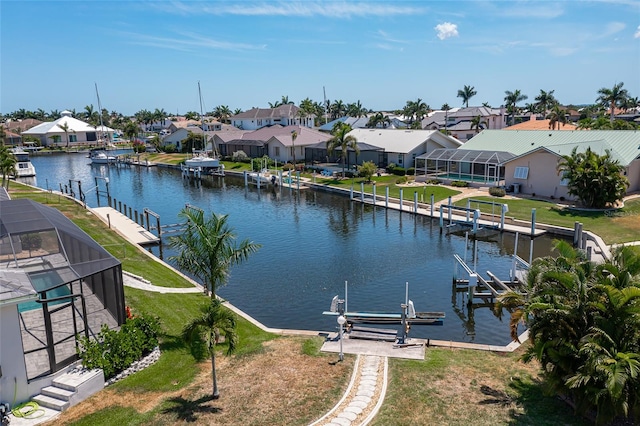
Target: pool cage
78,283
485,167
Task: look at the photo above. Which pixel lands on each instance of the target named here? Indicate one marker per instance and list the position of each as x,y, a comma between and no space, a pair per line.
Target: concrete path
364,395
140,283
121,223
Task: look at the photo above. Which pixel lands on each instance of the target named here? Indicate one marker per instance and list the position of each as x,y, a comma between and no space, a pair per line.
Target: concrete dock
125,226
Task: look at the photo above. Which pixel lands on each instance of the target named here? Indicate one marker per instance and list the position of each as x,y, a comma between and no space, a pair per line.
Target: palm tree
342,140
467,93
131,130
545,101
511,101
294,136
613,98
207,329
7,164
378,118
477,123
557,116
65,128
356,110
445,107
207,248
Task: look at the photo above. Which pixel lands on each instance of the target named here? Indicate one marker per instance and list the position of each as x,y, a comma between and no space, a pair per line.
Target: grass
461,387
287,380
614,227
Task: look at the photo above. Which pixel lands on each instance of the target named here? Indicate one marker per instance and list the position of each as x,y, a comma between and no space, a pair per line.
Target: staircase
70,389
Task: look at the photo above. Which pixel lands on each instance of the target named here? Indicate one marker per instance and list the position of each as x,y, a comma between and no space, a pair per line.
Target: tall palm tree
7,164
511,101
65,128
342,140
477,123
207,248
445,107
206,330
545,101
467,93
378,118
613,98
294,136
557,116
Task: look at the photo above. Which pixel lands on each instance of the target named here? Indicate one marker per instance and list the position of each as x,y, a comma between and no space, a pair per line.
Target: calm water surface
312,242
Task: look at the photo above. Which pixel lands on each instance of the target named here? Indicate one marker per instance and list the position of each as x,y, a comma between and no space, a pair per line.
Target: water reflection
312,242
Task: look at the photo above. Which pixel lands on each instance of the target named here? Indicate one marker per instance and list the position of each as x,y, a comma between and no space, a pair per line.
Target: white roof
404,140
74,125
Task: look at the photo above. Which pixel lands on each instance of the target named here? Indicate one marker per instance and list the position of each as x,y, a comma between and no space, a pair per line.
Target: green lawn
614,227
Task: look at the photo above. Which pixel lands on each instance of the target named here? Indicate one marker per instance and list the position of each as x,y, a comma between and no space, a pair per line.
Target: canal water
312,242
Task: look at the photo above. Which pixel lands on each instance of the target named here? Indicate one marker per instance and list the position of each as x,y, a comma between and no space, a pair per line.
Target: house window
469,136
277,151
73,138
399,159
259,122
521,173
564,181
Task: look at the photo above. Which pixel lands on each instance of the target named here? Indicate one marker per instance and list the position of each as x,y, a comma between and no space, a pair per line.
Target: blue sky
151,54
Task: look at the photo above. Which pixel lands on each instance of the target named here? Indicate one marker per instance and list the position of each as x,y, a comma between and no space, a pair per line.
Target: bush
287,167
497,192
459,184
402,180
433,182
399,171
239,156
390,167
114,351
169,149
411,171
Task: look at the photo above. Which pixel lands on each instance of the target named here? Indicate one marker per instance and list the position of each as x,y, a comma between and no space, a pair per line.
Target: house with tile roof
535,154
79,133
458,122
274,141
284,115
219,130
535,123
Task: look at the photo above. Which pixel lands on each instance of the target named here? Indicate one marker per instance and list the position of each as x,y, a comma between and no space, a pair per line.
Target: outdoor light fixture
341,321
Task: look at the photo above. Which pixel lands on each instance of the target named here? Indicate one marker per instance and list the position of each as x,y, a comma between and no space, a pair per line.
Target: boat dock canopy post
246,181
505,209
386,197
415,201
432,205
374,193
473,281
280,177
449,209
441,219
298,179
362,192
476,216
351,193
468,208
401,199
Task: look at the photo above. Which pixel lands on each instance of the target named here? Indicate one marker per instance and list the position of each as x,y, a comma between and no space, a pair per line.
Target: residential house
458,122
275,141
532,168
180,134
284,115
44,256
78,132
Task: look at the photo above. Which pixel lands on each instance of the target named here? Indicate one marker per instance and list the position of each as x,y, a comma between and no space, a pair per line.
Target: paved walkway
363,397
140,283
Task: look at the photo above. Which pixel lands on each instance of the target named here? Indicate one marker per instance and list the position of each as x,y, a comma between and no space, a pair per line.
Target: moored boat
101,157
23,168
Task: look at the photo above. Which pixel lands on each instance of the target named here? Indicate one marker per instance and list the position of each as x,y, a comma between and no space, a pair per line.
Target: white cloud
333,9
187,42
637,33
446,30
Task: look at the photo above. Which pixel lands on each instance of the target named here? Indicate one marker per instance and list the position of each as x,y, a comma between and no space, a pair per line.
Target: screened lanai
486,167
78,283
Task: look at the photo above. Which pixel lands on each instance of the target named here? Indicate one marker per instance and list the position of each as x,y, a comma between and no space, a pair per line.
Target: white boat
263,177
101,157
203,160
24,168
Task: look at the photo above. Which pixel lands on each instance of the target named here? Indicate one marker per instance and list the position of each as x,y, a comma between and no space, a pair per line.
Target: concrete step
73,380
56,392
53,403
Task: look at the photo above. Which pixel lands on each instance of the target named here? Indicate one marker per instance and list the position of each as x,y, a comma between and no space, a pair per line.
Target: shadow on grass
188,410
538,408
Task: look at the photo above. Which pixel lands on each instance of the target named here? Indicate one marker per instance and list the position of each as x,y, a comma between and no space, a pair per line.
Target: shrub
399,171
402,180
459,183
239,156
390,167
114,351
497,192
411,171
433,182
169,149
287,167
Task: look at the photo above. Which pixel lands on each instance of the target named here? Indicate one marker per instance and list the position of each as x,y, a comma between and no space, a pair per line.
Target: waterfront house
56,283
458,122
52,133
177,137
284,115
527,160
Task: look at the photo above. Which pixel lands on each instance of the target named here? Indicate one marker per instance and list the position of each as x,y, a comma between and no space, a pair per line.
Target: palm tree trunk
216,394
